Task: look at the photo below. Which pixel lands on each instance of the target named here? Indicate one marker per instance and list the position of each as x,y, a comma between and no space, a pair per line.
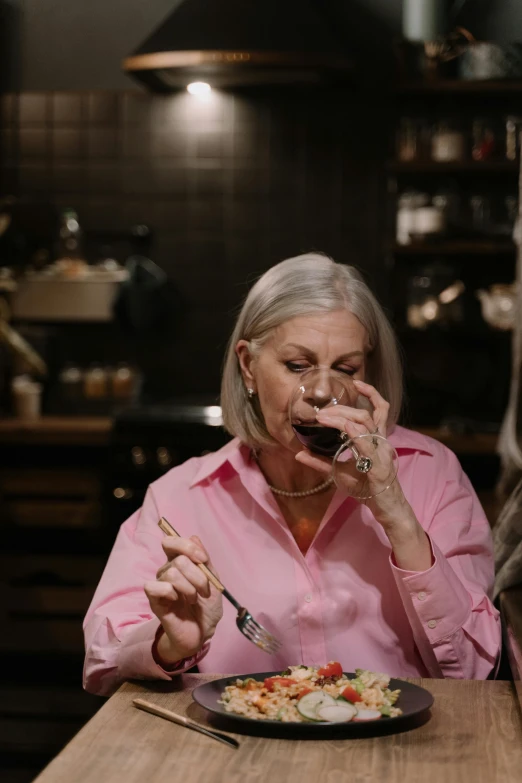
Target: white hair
306,284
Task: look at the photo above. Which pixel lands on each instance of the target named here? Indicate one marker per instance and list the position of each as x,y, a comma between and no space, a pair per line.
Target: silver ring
364,464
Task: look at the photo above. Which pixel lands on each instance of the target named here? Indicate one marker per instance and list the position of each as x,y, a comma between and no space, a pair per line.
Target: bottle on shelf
70,236
69,252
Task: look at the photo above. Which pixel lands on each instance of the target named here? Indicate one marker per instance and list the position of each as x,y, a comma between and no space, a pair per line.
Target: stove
148,440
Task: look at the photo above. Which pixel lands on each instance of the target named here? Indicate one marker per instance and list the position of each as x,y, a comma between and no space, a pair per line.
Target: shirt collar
234,453
239,456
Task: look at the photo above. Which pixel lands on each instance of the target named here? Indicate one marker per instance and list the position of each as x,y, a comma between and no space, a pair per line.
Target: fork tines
260,636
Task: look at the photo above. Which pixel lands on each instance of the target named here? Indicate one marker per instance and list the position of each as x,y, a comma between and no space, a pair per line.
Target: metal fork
253,631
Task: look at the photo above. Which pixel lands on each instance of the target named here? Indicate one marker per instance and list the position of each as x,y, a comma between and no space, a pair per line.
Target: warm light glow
430,309
199,88
213,415
452,292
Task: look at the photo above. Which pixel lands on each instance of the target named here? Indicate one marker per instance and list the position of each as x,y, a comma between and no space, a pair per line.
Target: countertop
57,430
474,735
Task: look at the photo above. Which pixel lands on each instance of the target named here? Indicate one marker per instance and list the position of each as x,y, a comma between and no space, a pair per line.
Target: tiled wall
230,186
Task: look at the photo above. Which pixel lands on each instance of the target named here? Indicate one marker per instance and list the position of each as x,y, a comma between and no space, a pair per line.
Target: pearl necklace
319,488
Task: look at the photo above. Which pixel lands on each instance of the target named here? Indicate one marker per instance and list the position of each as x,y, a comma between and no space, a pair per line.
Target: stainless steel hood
230,43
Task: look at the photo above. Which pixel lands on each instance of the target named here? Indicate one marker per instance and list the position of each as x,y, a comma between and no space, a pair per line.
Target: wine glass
367,463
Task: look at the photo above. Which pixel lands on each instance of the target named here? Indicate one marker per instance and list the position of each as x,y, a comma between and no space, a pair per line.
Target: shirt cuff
183,665
437,595
136,659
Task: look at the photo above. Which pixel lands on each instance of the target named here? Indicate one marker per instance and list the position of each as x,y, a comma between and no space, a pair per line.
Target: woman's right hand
186,604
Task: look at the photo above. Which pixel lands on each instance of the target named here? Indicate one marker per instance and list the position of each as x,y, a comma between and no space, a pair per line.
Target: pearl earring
250,393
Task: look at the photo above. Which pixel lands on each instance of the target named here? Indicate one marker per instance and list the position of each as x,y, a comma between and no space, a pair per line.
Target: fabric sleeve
120,627
455,625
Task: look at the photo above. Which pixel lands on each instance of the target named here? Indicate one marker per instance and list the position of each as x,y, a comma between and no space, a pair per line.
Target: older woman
398,584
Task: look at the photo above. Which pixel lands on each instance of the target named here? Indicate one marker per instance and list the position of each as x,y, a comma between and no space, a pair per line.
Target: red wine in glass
373,459
320,440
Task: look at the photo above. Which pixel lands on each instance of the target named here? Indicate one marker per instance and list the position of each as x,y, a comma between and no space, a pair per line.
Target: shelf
461,87
456,247
464,167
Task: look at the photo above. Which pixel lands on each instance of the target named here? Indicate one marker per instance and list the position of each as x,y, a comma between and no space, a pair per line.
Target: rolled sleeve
136,660
439,598
455,625
120,628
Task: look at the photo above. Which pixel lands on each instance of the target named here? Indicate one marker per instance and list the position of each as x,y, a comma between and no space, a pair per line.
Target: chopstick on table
181,720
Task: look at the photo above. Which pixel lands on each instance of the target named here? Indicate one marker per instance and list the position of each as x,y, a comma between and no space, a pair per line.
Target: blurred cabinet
53,552
453,197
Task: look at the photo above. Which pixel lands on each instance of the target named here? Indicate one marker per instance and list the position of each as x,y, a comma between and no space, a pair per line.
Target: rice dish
288,698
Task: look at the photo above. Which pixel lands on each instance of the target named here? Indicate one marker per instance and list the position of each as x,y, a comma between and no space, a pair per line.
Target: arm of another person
120,628
456,627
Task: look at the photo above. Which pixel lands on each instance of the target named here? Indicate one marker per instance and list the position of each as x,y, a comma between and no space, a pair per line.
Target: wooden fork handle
169,531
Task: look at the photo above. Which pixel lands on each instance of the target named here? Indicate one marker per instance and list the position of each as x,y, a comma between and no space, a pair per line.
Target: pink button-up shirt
344,600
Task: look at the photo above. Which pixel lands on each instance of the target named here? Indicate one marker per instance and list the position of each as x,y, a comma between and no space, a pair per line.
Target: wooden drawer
29,635
35,601
52,513
57,498
54,570
43,700
36,736
57,482
43,601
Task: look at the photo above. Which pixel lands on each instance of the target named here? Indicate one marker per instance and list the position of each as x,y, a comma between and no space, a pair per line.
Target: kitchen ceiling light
199,88
237,43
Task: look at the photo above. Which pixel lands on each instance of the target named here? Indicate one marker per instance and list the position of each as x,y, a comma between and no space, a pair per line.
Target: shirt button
421,596
432,624
308,598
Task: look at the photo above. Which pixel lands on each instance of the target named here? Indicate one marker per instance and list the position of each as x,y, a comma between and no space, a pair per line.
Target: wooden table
473,736
511,609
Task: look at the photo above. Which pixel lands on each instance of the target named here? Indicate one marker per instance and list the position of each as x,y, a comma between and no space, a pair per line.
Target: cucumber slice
339,713
308,705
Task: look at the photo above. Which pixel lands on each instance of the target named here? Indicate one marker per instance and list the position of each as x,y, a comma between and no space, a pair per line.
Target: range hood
231,43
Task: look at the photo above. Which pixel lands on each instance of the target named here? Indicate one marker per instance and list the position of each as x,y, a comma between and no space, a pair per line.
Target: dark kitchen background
204,196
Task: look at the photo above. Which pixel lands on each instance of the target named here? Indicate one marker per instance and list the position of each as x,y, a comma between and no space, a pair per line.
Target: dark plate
415,703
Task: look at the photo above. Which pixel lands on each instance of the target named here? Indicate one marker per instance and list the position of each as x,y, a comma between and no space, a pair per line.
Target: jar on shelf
123,382
513,131
406,227
408,140
71,386
484,142
511,211
430,222
95,382
448,201
480,207
448,142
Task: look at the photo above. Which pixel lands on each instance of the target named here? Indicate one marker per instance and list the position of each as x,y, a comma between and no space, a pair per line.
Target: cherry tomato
350,694
284,682
332,669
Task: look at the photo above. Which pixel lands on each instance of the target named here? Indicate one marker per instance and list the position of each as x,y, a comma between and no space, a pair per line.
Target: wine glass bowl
317,390
365,465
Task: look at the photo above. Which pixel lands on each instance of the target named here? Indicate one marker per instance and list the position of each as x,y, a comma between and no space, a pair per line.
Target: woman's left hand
410,544
387,506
